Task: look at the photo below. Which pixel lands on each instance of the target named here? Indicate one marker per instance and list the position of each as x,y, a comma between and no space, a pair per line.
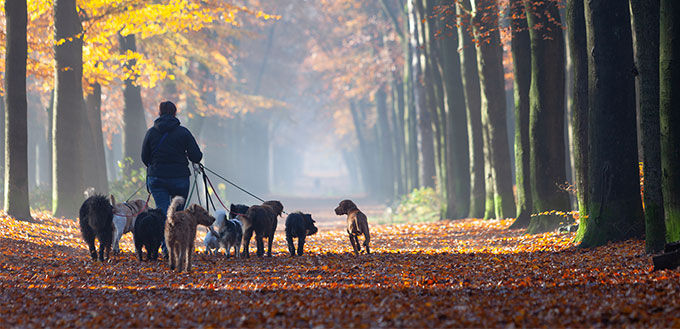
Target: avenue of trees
505,107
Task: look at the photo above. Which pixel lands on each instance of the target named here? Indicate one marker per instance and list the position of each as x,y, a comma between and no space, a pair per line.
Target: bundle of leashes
208,186
200,170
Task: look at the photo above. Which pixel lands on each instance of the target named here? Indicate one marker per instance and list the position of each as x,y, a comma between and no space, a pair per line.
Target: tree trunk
578,50
669,62
385,142
424,104
490,62
134,122
614,205
457,156
67,186
398,127
471,90
2,147
97,155
645,18
546,122
16,114
521,58
410,115
490,187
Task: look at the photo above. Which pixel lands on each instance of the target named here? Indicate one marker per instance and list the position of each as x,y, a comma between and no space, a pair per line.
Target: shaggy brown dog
263,220
180,232
357,224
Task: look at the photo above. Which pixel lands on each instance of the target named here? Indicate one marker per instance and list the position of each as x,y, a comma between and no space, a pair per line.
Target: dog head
310,228
277,206
137,204
200,214
236,209
220,218
345,207
89,192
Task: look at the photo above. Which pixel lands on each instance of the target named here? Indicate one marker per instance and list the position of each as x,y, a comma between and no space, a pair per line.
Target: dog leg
301,243
101,250
173,257
237,247
190,251
270,240
260,245
247,234
354,244
291,246
91,244
117,234
367,239
181,253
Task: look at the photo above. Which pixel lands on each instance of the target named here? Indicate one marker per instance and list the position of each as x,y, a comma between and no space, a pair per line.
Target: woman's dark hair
167,107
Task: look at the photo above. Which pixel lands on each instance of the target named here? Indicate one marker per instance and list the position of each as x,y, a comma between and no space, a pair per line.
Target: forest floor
467,273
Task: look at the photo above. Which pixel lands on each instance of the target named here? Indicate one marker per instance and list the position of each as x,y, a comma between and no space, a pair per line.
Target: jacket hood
165,123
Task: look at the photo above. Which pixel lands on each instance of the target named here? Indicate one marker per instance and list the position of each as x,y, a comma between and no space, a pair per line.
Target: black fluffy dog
148,233
299,225
237,209
96,221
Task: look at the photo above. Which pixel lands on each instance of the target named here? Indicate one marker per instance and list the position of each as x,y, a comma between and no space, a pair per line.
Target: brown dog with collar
357,224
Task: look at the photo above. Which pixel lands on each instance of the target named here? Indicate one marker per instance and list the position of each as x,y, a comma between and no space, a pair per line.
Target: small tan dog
180,232
124,216
357,224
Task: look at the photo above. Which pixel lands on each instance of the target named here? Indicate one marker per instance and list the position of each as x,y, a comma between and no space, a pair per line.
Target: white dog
211,241
212,238
124,216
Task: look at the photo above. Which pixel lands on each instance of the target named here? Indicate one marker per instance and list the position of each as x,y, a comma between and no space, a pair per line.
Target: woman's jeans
163,190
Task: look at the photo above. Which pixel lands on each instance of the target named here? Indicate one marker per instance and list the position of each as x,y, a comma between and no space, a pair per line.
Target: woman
167,145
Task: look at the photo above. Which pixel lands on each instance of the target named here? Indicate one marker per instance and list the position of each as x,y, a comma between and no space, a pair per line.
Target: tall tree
490,62
471,90
385,145
614,204
669,62
423,85
134,123
521,59
67,185
95,145
578,50
16,127
546,122
645,18
457,156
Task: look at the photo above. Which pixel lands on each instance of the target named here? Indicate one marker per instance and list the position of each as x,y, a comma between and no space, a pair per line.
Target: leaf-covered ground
468,273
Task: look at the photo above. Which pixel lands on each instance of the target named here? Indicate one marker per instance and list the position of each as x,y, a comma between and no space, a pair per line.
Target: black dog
299,225
262,221
148,233
231,235
237,209
96,220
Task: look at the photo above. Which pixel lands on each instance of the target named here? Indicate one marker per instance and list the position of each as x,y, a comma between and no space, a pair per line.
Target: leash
208,198
215,191
133,194
193,187
205,178
228,181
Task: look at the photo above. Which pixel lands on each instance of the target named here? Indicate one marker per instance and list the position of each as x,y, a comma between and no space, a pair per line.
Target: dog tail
176,202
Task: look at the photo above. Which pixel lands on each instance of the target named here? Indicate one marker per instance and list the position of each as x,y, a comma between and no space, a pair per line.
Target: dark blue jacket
170,158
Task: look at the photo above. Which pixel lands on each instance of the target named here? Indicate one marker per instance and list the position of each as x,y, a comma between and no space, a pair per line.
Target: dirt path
467,273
